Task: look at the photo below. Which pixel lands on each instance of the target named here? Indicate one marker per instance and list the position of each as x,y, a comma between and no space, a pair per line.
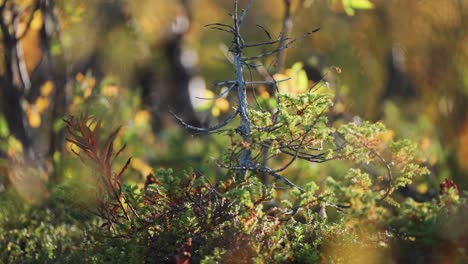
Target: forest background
129,63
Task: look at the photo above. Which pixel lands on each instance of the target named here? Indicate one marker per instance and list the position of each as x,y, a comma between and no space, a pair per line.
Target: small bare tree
297,127
239,84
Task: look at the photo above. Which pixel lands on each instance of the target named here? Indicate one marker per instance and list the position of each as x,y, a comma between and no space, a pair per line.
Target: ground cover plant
246,204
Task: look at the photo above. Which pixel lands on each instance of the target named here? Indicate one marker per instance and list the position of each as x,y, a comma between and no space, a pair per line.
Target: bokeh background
130,62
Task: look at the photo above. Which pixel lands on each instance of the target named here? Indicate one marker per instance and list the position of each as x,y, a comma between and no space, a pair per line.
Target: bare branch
285,46
244,12
221,95
266,31
267,82
223,83
264,43
317,83
209,129
319,158
297,151
389,175
286,30
222,29
280,177
220,25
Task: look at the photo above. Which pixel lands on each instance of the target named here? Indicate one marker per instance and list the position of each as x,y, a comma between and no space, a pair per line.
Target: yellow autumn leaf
204,103
41,104
47,88
75,103
425,143
110,90
386,136
297,66
71,148
87,92
36,23
282,86
33,116
339,107
222,104
302,82
422,188
142,118
263,92
24,2
91,82
215,111
79,77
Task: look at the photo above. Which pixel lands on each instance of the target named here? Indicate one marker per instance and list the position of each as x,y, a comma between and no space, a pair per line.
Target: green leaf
297,66
302,81
3,127
361,4
205,104
351,5
348,8
58,125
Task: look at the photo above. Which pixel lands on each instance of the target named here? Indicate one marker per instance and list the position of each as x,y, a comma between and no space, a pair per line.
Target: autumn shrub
186,217
253,210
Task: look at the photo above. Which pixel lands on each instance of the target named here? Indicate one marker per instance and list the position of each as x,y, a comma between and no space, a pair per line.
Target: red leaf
123,170
120,151
448,184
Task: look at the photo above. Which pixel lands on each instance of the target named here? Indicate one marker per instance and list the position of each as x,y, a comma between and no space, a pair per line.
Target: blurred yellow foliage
87,92
36,23
75,104
42,103
70,148
89,85
386,136
425,143
222,104
79,77
33,116
263,92
14,147
462,151
348,251
294,81
217,106
422,188
47,88
141,166
110,90
142,118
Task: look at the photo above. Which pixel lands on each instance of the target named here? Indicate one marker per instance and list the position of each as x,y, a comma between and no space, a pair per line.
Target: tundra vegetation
269,165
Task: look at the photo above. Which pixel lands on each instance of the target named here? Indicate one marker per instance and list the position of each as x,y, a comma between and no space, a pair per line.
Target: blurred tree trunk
169,89
23,78
50,72
15,81
285,32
